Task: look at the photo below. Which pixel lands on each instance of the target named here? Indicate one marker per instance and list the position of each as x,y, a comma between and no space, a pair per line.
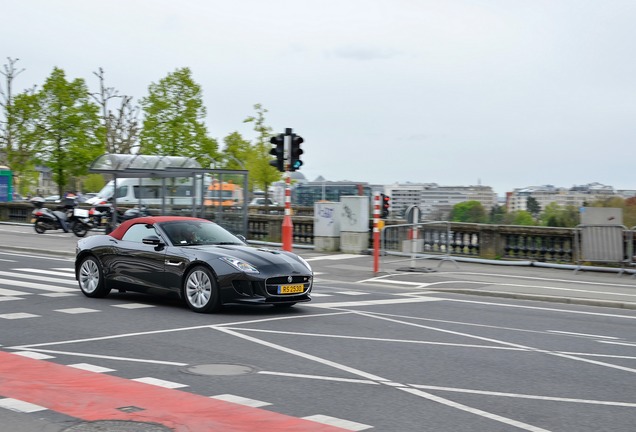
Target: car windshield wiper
228,243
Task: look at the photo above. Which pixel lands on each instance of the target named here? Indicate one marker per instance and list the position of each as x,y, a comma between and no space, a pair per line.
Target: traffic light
278,150
295,162
384,206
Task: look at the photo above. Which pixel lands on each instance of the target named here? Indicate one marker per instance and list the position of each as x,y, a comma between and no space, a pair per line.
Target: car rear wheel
91,279
200,290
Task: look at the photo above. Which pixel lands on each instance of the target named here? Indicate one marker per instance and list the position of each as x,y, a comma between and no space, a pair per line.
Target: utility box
354,224
6,187
327,226
601,216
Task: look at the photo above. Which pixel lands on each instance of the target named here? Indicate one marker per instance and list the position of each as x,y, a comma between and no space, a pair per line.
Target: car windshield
188,233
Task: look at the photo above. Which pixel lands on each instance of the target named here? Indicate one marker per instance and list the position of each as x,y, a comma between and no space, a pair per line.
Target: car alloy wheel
200,290
90,278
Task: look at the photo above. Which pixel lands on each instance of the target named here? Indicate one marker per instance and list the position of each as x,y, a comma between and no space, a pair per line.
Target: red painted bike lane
91,396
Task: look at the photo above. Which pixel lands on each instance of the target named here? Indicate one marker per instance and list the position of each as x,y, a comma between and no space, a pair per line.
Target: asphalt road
387,351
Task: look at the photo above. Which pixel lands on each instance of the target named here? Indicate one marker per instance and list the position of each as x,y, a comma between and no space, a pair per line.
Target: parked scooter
101,217
45,219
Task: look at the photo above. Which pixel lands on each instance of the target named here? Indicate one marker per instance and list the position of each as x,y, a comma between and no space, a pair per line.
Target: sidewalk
537,282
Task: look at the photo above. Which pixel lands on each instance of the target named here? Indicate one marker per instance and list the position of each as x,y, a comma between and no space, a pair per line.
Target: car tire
200,290
91,278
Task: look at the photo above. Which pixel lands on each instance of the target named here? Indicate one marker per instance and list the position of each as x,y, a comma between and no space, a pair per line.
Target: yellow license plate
291,289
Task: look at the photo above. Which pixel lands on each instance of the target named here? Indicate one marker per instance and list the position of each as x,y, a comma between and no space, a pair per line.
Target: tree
63,123
121,128
533,206
173,119
236,152
468,211
262,174
7,124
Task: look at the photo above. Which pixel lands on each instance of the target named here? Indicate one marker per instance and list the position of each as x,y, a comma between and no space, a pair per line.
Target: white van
149,191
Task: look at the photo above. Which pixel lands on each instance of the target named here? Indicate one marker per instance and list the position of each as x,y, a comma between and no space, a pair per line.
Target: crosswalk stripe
15,283
41,271
39,278
9,292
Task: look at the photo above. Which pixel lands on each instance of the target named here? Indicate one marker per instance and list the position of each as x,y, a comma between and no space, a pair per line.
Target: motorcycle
101,216
45,219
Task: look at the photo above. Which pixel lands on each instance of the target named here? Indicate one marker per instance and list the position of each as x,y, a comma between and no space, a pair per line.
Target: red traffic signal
385,203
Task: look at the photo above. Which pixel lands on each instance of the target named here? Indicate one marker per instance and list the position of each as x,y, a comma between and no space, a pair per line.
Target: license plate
82,213
291,289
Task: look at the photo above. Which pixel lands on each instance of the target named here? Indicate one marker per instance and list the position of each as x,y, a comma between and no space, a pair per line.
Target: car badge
289,279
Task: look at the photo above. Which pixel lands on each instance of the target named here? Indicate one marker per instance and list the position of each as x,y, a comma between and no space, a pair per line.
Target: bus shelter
178,185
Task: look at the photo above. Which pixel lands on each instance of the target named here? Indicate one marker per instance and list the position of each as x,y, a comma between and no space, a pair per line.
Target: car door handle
173,263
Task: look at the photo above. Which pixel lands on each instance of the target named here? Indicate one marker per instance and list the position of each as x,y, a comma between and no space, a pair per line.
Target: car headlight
302,260
241,265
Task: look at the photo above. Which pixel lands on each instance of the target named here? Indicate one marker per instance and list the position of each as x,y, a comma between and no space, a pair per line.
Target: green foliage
533,206
555,215
520,217
497,214
93,183
262,174
468,211
173,119
61,124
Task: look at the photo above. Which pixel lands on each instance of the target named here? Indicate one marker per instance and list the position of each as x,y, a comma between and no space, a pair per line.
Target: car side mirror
152,240
241,238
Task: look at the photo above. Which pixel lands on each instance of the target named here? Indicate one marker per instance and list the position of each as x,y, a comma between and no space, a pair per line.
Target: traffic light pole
288,226
376,234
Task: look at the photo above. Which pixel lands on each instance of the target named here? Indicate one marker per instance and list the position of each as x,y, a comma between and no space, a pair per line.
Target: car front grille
272,284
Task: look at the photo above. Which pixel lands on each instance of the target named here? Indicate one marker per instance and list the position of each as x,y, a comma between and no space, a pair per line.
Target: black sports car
196,259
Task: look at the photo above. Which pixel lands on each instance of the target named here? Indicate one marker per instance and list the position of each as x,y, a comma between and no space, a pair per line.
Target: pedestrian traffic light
295,162
278,150
385,203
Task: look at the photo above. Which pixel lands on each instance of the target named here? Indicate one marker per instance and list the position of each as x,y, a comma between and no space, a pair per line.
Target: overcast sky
503,93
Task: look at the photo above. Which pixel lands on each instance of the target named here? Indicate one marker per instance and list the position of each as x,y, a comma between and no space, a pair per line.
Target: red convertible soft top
119,232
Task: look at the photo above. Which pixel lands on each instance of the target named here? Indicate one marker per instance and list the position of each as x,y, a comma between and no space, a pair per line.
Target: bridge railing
505,242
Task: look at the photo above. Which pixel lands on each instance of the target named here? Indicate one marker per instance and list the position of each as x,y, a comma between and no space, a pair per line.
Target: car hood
259,257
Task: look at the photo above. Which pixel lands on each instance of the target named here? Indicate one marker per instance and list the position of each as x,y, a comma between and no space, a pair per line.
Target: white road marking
582,334
381,380
133,306
33,355
319,377
9,292
374,302
333,257
527,396
241,400
20,406
343,424
91,368
18,315
39,278
617,343
76,310
48,272
16,283
159,382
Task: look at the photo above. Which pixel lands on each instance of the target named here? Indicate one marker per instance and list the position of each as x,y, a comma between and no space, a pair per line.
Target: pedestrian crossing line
92,368
65,269
48,272
10,292
64,294
37,286
7,298
33,355
18,315
39,278
75,311
333,421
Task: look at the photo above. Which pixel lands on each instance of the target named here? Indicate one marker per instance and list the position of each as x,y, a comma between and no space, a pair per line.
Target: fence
502,242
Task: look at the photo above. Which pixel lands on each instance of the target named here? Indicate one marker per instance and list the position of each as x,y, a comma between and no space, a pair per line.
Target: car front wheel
91,279
200,290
